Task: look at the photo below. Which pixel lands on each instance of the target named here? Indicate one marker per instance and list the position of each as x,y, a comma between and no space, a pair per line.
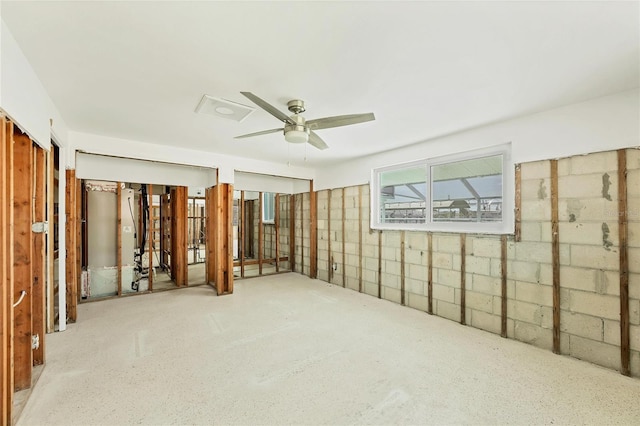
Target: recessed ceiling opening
223,108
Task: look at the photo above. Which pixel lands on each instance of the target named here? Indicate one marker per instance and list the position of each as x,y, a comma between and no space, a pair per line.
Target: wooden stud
23,260
165,230
379,264
260,233
463,279
277,230
6,271
39,264
503,281
360,239
430,273
623,235
119,237
313,232
555,255
344,240
329,254
50,242
518,203
222,213
402,270
292,232
241,232
70,235
78,241
152,233
179,211
210,236
302,234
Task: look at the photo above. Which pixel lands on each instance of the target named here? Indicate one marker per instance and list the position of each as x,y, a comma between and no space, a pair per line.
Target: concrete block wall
588,260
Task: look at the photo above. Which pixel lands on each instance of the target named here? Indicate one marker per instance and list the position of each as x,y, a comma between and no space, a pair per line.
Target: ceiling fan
296,128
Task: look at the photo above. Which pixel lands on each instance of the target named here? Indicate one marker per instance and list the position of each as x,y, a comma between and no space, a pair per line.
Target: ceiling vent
223,108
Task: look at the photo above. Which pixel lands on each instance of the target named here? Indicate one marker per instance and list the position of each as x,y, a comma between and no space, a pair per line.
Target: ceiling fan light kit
296,128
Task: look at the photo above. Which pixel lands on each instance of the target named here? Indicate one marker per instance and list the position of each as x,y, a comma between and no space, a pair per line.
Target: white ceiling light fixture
223,108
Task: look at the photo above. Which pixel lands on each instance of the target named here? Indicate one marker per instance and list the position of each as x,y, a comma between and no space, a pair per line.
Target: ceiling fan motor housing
296,133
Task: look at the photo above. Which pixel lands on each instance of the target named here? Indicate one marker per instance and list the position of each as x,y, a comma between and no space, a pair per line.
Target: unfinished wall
469,288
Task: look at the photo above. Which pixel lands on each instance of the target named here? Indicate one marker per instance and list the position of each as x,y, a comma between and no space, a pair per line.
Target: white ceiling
137,70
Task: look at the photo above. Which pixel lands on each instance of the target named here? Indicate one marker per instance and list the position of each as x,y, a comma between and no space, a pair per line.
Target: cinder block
587,210
370,264
496,268
597,352
523,271
444,293
479,301
391,267
446,243
448,277
530,231
523,311
534,293
415,286
391,239
534,335
442,260
588,186
597,305
390,281
635,364
634,254
486,247
370,288
634,337
391,294
417,301
447,310
486,284
478,265
417,272
589,233
390,253
535,189
370,276
581,325
546,317
456,261
535,210
369,251
415,257
633,233
578,278
633,175
633,159
533,252
634,286
535,170
611,333
594,257
485,321
564,167
352,283
634,311
607,282
416,240
600,162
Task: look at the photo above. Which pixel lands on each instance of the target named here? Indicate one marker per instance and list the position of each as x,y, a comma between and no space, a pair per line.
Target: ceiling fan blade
264,132
269,108
317,141
339,120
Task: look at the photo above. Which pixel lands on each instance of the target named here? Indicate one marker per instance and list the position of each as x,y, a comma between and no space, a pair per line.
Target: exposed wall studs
503,285
625,350
555,255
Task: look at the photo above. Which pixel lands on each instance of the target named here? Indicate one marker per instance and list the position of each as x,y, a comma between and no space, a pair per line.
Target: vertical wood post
430,273
260,233
329,253
23,259
555,255
119,237
360,239
625,350
222,207
6,271
344,240
463,279
292,232
379,264
152,234
39,265
179,257
242,231
70,243
277,230
518,203
313,232
402,268
50,242
503,282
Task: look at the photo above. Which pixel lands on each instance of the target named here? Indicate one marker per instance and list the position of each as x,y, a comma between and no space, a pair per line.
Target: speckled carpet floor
285,349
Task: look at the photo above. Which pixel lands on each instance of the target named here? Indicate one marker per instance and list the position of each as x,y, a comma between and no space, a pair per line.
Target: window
469,192
268,207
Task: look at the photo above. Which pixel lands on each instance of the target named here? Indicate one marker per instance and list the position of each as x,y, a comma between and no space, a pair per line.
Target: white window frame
269,219
505,226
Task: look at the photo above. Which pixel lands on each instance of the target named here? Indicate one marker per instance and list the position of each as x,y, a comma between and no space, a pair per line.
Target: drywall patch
606,243
542,190
574,206
606,183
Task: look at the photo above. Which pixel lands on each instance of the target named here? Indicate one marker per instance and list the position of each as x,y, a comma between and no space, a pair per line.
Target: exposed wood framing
313,232
329,253
241,232
179,260
379,264
344,240
430,273
518,203
152,233
78,230
210,248
463,279
269,260
402,268
165,230
625,350
70,235
503,282
555,255
360,239
119,237
260,233
6,271
222,212
39,264
51,290
23,259
277,230
292,232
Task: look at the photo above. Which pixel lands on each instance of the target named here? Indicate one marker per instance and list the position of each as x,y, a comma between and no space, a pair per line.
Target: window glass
268,207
